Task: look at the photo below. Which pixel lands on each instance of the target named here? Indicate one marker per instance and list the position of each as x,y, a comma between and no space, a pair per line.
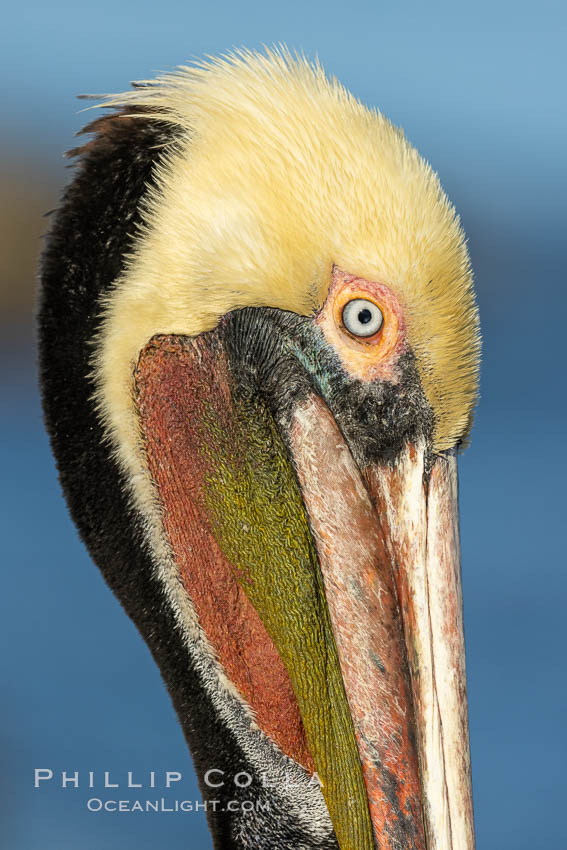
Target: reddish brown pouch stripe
179,384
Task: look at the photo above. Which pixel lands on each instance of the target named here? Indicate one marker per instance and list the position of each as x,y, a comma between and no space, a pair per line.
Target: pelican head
259,356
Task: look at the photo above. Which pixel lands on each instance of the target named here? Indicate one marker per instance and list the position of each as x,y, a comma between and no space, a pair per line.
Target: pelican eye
362,318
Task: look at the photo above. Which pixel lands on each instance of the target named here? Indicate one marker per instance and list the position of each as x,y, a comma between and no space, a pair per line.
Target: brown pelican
259,351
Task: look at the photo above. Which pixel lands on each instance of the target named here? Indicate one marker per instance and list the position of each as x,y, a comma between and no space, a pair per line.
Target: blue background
480,90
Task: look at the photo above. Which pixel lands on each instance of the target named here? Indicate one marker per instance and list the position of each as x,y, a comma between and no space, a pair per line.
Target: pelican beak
419,521
388,547
351,565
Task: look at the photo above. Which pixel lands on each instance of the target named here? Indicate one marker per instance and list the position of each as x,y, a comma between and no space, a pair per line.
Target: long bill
421,530
388,547
354,575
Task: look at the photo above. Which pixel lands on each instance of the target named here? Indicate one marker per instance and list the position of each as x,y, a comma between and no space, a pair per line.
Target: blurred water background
480,90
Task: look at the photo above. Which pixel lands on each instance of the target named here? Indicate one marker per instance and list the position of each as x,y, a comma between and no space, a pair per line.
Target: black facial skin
285,357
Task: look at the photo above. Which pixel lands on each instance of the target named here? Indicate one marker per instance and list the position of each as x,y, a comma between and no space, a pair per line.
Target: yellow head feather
280,174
